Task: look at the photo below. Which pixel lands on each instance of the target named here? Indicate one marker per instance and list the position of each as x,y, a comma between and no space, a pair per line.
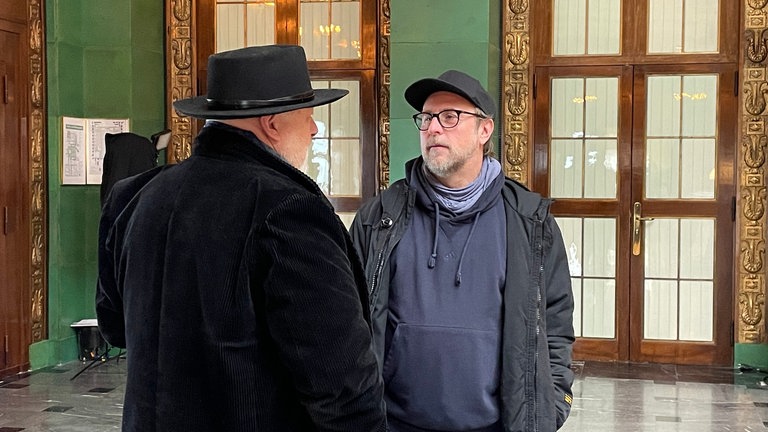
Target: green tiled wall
427,38
105,59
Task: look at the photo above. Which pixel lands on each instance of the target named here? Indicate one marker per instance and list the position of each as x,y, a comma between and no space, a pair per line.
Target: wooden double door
640,162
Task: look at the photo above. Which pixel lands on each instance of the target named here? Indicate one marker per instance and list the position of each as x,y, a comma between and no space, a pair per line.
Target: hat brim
198,106
417,93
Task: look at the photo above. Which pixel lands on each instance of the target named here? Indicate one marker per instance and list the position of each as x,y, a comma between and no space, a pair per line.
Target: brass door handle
637,228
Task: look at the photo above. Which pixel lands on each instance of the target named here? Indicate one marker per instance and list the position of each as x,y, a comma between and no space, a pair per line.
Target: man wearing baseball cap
230,279
470,291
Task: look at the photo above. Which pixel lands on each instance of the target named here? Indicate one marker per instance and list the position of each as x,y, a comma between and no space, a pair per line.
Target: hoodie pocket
443,378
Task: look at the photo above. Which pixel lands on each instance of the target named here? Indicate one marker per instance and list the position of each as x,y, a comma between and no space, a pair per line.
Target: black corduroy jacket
238,295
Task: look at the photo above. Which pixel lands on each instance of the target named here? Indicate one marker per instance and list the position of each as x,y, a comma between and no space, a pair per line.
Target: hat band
260,103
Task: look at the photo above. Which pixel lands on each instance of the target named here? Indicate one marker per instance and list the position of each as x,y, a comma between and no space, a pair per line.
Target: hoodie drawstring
464,251
433,258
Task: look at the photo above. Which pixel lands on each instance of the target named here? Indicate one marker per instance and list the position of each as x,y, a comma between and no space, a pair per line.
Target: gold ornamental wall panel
515,112
751,266
383,72
38,172
180,75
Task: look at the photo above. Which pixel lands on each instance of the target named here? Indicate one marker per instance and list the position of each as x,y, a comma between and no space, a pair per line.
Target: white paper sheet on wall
82,149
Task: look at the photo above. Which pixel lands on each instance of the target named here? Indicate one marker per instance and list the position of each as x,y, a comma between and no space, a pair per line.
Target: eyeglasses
447,118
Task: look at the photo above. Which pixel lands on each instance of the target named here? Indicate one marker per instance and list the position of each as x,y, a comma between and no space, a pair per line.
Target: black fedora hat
257,81
451,81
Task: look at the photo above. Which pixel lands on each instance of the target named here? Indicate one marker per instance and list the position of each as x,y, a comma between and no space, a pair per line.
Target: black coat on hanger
126,154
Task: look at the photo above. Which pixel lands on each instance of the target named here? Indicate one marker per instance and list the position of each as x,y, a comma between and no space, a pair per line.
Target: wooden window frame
189,46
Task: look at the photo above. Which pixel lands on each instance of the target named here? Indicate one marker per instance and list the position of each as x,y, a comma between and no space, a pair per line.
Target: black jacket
236,290
538,302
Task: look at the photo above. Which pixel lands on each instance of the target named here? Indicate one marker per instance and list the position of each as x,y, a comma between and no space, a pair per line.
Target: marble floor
607,397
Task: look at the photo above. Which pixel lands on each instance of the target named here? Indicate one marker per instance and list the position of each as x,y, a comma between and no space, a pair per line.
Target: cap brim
417,93
198,106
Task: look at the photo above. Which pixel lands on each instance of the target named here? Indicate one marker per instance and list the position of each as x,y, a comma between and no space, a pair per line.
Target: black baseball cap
451,81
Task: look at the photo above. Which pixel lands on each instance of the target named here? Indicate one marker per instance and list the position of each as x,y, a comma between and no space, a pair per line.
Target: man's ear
486,129
269,127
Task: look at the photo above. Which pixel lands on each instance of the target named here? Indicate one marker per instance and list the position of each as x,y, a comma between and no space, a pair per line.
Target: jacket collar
224,142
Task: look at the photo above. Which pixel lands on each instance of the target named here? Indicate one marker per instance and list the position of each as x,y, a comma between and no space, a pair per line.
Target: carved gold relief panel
37,171
751,319
515,89
180,75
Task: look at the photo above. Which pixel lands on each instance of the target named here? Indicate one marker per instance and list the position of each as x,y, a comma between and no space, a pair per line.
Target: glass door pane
590,244
335,160
244,23
591,27
683,26
584,125
330,29
679,279
681,135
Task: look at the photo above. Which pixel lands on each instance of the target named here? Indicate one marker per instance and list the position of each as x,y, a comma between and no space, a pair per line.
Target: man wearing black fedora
229,278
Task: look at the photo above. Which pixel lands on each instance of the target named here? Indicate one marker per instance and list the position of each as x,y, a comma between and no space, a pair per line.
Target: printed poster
83,148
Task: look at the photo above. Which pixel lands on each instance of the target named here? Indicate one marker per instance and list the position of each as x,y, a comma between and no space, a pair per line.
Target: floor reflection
607,397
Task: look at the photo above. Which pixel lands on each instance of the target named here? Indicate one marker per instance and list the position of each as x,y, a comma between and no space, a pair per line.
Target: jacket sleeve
109,299
559,314
315,315
109,302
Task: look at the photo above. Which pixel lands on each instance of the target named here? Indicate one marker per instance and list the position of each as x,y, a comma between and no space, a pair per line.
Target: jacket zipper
539,261
387,223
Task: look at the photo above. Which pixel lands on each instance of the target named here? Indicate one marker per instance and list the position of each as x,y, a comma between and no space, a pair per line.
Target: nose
314,129
434,126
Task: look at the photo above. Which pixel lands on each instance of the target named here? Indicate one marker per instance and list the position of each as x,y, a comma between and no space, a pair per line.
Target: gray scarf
462,199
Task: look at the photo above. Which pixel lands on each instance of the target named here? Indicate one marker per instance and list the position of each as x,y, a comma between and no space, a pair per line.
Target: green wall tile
52,75
755,355
107,74
54,160
148,93
107,23
69,68
65,21
439,21
147,24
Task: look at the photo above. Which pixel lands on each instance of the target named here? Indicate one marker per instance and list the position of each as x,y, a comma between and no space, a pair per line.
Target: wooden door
14,212
683,214
639,160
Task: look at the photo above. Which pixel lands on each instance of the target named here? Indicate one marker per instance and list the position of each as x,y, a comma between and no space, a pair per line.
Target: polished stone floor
607,397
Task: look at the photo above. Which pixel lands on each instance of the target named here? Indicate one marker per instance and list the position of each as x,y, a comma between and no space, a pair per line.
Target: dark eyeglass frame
426,118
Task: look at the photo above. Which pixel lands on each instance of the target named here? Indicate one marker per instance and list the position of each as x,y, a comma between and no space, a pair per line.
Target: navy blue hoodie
443,338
